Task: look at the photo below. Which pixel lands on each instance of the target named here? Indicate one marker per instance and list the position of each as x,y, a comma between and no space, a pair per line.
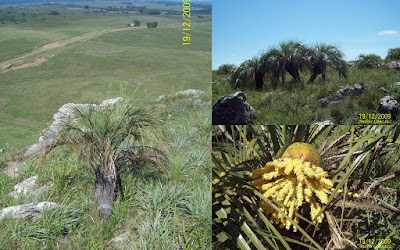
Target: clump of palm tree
226,69
368,61
393,54
108,140
252,213
288,57
323,55
250,71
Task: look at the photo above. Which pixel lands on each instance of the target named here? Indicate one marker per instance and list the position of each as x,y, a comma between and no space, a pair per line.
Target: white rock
22,211
112,101
119,239
25,186
193,92
327,122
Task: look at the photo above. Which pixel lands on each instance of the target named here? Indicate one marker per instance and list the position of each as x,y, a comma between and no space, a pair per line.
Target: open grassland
297,102
140,63
164,207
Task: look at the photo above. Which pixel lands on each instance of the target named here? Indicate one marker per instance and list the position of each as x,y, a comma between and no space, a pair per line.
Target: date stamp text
186,24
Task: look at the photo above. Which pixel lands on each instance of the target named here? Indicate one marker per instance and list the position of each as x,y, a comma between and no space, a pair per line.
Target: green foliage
368,61
322,56
393,54
226,69
152,25
54,13
243,76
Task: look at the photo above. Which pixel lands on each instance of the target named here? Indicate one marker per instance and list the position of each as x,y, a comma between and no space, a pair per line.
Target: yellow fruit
304,151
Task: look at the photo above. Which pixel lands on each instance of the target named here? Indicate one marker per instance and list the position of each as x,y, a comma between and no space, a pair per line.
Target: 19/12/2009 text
186,22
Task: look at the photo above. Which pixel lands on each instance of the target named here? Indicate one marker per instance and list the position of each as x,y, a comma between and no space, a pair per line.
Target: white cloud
387,32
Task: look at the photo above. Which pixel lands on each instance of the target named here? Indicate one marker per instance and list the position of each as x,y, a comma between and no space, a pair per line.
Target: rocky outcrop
64,115
342,93
25,210
393,65
232,110
388,105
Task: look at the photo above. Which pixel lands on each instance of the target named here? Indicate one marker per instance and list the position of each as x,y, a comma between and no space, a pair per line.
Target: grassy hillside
165,207
297,102
138,62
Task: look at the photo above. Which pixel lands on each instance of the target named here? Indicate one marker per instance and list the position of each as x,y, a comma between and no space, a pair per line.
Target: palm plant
248,72
226,69
321,56
107,140
393,54
368,61
288,57
349,156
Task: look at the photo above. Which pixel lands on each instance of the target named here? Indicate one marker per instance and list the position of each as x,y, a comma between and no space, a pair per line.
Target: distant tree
86,7
226,69
152,25
153,12
107,141
393,54
321,56
136,23
368,61
54,12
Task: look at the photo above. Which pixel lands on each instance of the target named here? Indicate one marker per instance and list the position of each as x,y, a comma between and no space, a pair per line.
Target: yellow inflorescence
292,181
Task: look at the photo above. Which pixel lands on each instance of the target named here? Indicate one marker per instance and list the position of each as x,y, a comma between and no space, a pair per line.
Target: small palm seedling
108,141
284,187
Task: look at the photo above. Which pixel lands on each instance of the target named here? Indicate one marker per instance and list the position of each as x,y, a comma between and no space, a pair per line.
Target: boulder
28,189
342,93
388,105
24,187
22,211
393,65
232,109
1,150
63,115
190,92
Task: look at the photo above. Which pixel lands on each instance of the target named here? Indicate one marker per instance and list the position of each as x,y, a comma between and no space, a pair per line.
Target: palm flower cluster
292,180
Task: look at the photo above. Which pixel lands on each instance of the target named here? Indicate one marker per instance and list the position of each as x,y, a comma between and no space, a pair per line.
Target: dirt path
62,43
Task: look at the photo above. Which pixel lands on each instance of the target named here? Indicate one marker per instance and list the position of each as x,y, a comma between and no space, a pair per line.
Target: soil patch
32,64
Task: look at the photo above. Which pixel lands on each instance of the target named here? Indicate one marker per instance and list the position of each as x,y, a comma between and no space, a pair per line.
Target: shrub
368,61
393,53
226,69
54,13
152,25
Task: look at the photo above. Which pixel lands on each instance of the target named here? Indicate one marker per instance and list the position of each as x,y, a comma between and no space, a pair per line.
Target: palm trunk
258,80
105,190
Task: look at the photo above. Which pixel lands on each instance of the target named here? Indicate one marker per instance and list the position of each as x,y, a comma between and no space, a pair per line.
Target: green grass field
139,63
297,102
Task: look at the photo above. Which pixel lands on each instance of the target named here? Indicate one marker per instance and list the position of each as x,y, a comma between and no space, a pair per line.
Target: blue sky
243,29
